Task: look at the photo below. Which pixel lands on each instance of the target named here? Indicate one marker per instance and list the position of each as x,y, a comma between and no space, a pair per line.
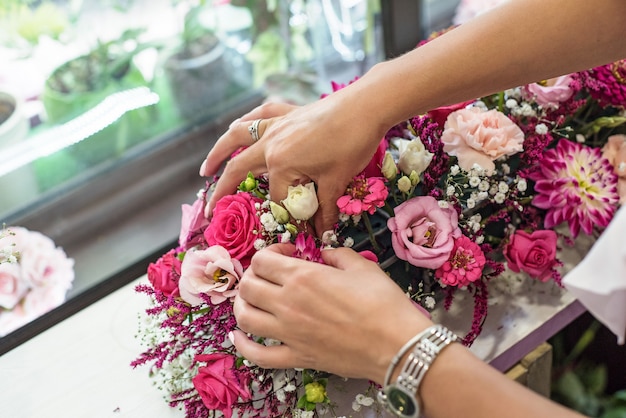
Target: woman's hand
345,317
324,142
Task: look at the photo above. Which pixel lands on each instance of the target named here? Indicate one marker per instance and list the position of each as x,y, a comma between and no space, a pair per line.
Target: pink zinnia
575,183
465,264
607,83
364,194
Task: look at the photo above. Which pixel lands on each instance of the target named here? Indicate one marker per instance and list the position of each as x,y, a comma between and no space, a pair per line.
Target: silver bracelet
401,397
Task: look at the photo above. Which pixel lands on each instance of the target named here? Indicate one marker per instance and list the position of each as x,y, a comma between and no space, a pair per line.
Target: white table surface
80,367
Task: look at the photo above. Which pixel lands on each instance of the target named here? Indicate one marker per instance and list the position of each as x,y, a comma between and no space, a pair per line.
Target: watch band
401,397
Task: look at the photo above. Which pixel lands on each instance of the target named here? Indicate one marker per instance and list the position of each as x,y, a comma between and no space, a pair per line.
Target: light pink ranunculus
212,272
615,151
423,233
35,284
555,91
533,253
12,286
478,136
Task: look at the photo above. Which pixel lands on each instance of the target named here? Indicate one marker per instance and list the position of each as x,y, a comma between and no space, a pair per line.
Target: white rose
301,201
413,156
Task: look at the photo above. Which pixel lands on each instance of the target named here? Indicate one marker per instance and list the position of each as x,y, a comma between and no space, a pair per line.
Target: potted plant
195,67
17,186
81,83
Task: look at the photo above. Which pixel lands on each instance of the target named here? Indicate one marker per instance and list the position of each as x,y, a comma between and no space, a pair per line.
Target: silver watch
401,396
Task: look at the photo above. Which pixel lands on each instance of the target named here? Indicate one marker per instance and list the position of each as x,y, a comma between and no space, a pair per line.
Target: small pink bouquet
35,276
450,200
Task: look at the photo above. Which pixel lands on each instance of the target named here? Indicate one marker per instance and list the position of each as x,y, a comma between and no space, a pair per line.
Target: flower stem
370,231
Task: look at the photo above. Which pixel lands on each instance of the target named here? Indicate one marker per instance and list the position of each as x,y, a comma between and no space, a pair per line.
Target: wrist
401,394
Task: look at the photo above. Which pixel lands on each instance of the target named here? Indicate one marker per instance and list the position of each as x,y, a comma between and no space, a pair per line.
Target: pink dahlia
364,194
576,184
465,264
607,83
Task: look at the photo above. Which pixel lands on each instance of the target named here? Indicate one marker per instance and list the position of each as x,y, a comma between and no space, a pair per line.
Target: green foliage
581,384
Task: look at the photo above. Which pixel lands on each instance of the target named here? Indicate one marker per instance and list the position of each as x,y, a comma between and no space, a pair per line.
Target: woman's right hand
327,142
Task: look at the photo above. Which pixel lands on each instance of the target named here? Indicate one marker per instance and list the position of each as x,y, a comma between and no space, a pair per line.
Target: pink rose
235,226
440,114
212,272
192,222
423,233
555,91
165,273
218,385
533,253
477,136
615,151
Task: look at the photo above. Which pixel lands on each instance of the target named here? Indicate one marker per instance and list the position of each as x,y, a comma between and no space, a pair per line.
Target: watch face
402,402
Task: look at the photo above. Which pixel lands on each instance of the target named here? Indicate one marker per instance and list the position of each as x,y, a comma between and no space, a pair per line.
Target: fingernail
236,121
203,168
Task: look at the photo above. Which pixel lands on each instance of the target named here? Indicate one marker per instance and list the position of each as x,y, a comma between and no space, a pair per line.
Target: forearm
478,390
520,42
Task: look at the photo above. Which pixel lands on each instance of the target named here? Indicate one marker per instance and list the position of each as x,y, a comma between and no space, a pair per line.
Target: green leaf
619,412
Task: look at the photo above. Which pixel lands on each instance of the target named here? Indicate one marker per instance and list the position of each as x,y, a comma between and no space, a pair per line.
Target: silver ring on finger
254,130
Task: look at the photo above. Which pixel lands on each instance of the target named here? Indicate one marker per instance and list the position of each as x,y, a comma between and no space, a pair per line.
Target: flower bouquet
35,276
450,200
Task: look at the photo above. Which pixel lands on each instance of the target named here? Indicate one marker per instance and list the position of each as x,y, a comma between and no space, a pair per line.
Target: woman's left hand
345,317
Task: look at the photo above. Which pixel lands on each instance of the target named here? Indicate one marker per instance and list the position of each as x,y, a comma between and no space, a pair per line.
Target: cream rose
301,201
413,156
478,136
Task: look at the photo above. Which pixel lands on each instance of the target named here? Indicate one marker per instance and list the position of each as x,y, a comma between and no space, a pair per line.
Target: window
115,104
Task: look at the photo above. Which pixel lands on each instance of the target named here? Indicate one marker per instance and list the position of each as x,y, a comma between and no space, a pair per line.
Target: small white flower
474,181
527,110
522,185
257,206
493,189
580,138
483,186
471,203
329,237
443,204
482,196
269,222
506,169
511,103
259,244
450,190
455,169
343,217
429,302
348,242
356,219
503,187
499,197
479,239
541,129
285,237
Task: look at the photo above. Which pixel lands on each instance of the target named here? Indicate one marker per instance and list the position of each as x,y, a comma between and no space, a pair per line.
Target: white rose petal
413,156
301,201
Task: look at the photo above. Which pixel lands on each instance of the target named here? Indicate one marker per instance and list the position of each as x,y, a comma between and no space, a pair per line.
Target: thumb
272,357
